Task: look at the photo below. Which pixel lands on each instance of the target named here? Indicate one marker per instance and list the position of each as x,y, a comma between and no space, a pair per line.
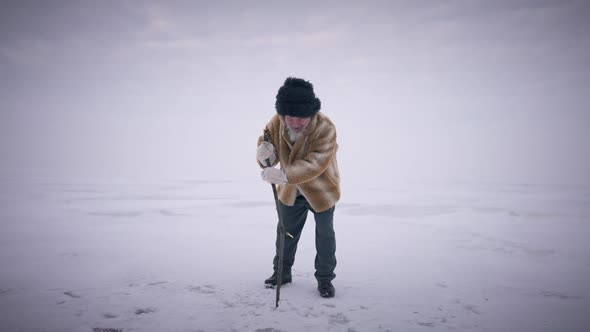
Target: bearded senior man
308,178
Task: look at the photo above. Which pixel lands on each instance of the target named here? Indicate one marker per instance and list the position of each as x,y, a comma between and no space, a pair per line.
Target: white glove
266,151
274,175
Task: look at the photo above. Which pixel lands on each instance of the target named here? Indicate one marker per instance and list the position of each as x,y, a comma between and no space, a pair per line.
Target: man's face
297,124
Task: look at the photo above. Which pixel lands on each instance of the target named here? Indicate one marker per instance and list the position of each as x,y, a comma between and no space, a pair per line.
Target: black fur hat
296,98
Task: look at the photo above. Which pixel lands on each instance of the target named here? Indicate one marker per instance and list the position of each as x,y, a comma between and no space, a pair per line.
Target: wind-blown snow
190,255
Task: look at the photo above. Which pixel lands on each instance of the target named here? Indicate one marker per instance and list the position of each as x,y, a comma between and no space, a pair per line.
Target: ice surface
190,255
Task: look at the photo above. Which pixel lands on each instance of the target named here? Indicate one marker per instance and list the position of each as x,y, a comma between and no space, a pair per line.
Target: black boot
326,288
272,280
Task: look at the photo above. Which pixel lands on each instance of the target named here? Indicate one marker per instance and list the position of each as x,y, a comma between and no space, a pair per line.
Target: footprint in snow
205,289
471,308
339,318
72,295
557,295
5,291
142,311
426,324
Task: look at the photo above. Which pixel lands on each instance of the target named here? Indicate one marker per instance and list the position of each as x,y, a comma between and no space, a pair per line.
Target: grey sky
444,89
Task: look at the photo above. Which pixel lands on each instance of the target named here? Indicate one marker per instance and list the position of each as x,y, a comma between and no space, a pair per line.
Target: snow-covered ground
190,255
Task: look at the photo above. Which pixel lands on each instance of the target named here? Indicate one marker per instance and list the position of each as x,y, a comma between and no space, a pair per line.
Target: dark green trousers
294,218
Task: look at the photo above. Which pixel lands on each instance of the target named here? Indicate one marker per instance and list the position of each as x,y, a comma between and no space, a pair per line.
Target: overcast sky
455,90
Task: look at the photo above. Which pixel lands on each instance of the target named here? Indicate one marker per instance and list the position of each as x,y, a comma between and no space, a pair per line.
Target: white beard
293,136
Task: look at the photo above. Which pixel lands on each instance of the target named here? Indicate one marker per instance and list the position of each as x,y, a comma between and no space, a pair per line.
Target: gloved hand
266,151
274,175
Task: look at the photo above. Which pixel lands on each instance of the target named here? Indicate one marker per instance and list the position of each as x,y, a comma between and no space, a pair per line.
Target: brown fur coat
310,163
